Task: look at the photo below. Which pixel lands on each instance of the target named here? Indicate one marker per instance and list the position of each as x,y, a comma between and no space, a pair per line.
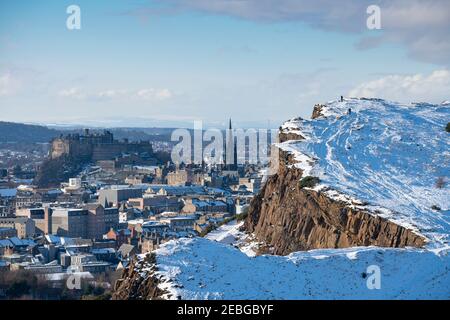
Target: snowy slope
382,156
230,234
385,154
215,268
199,268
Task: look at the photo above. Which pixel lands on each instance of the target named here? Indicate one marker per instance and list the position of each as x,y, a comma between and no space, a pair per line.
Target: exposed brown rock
136,284
288,218
317,111
285,136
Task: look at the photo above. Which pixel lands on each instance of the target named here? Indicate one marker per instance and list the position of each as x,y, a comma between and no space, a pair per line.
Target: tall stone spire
230,150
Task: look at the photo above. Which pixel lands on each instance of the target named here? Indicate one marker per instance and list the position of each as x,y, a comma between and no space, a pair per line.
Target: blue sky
138,63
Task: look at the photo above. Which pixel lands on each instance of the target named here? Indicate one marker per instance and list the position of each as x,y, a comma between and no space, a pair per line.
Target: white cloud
8,85
434,87
75,93
107,94
154,94
149,94
113,94
421,26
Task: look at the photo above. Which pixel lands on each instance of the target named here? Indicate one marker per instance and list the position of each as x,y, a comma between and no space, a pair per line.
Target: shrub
207,230
308,182
103,296
18,284
212,227
440,183
18,289
243,215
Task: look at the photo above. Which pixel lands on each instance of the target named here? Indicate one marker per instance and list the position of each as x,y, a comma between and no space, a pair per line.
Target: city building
177,178
96,226
88,263
252,184
24,226
197,205
119,236
96,146
180,223
114,195
127,251
101,220
70,222
40,216
7,233
156,204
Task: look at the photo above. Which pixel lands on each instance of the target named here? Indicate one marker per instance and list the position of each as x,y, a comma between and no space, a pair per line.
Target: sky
137,63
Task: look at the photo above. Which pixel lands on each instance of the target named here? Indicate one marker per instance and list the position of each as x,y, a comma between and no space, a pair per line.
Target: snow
215,267
382,156
230,234
382,153
199,268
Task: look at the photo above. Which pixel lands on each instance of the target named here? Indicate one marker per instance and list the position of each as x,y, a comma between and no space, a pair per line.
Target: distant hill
19,132
29,133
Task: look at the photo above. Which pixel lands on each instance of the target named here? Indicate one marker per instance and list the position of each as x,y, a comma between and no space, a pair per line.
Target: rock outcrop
138,281
288,217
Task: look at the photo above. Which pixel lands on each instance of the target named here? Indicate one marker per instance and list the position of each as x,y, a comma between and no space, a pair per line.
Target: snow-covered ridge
219,267
387,155
199,268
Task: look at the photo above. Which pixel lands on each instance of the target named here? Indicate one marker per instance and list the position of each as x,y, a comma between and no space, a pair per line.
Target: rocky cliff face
288,217
138,281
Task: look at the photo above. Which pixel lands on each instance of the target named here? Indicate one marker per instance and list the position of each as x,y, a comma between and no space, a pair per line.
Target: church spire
230,150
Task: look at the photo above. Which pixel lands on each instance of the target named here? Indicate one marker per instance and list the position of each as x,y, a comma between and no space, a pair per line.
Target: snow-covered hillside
383,154
200,268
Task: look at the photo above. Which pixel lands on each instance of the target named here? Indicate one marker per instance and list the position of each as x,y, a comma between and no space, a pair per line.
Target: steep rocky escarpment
289,218
138,281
